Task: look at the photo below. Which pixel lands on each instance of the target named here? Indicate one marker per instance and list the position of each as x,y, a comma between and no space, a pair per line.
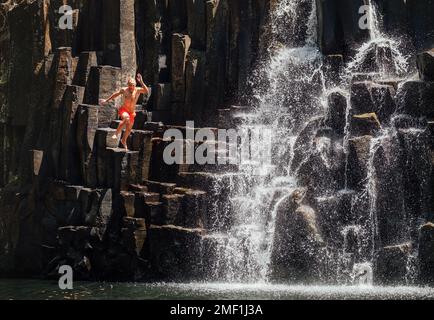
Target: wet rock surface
297,250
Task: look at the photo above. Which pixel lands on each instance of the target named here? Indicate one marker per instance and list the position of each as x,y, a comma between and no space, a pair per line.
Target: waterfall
388,52
290,100
246,247
392,63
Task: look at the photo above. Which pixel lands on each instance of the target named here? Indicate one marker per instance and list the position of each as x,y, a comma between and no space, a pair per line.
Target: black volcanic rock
358,161
394,14
370,97
338,25
420,15
392,264
337,112
425,65
364,125
297,244
426,250
174,252
416,98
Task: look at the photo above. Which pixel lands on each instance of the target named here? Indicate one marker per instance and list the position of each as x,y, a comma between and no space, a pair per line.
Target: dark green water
37,289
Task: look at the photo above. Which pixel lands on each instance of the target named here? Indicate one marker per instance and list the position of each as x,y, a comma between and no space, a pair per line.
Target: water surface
39,289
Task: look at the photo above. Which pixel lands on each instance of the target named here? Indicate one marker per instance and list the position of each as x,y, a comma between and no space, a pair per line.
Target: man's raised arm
144,89
112,97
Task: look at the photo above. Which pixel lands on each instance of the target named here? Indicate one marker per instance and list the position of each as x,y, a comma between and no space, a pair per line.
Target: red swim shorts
131,114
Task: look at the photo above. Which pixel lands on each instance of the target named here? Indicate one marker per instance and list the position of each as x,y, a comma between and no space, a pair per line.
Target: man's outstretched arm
112,97
144,89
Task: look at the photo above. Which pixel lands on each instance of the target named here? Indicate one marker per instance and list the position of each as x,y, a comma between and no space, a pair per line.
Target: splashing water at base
247,246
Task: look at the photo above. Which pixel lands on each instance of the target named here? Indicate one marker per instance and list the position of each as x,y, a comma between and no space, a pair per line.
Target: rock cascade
348,191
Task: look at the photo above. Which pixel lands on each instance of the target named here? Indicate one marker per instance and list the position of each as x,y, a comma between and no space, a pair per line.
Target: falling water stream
246,248
293,93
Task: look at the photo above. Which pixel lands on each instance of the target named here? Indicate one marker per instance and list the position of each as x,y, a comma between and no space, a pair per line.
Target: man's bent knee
126,118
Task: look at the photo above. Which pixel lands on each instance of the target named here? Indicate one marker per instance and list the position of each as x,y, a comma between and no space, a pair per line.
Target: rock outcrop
298,248
339,22
71,196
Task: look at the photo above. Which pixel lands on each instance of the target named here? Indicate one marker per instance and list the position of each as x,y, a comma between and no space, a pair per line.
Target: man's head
131,83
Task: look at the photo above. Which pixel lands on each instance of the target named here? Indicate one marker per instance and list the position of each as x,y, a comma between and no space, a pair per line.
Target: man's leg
129,124
124,117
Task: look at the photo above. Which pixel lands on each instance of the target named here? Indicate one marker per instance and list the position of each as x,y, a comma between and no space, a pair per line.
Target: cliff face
186,51
71,196
195,55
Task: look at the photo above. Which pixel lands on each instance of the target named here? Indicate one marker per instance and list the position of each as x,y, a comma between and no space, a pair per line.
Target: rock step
392,264
425,65
370,97
158,129
184,207
365,76
133,234
204,194
219,188
104,140
149,197
100,156
188,143
162,171
208,181
182,245
209,168
160,187
86,60
364,124
77,205
116,167
137,188
416,99
390,82
232,117
135,141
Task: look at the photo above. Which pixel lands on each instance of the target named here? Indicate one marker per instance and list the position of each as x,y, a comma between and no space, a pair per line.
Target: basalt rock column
119,41
217,46
68,147
102,82
196,11
87,124
64,37
29,43
297,250
86,60
89,26
153,40
420,15
195,98
338,28
180,46
63,65
4,73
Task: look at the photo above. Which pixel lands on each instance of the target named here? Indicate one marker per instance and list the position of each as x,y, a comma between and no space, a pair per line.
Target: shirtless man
127,112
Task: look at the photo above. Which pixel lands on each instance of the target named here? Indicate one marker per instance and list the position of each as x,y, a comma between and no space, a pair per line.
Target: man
127,112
